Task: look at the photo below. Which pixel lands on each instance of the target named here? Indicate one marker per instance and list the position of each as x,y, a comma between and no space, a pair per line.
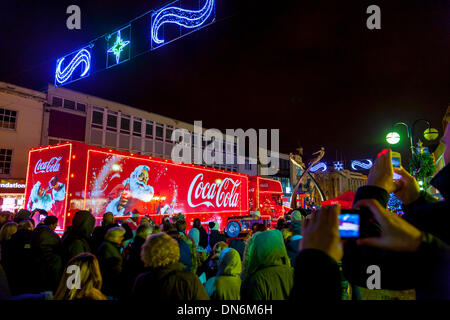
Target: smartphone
396,163
350,224
354,224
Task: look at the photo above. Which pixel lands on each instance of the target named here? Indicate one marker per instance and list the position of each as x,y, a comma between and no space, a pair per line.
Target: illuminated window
8,118
5,161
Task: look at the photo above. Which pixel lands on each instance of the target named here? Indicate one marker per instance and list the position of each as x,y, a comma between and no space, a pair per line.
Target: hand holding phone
396,163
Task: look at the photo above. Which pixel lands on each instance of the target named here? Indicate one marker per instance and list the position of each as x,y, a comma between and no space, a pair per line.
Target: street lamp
429,134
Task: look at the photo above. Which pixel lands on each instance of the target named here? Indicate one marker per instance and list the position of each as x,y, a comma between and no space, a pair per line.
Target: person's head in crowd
156,229
22,215
26,224
194,233
296,228
213,225
83,223
143,231
144,220
135,215
51,222
108,218
218,247
264,249
115,235
197,223
260,227
90,279
160,250
7,231
167,226
281,224
229,263
5,216
181,226
297,215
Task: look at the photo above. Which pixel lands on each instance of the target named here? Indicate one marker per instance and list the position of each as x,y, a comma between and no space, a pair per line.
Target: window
81,107
5,161
169,134
149,129
57,102
125,123
7,118
159,131
69,104
97,117
111,121
137,128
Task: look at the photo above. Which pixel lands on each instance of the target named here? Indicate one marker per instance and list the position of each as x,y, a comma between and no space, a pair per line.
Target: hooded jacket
267,272
227,284
76,239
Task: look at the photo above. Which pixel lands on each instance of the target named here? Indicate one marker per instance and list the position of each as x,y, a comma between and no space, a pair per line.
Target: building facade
335,183
72,115
21,116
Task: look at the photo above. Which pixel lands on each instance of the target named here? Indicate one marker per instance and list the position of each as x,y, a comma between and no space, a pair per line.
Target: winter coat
227,284
203,240
46,249
18,263
76,239
317,277
267,273
168,283
110,261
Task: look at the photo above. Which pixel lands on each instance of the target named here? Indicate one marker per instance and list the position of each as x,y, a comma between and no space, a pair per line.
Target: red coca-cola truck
72,176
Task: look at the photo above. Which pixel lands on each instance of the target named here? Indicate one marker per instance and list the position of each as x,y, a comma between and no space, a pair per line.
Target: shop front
12,194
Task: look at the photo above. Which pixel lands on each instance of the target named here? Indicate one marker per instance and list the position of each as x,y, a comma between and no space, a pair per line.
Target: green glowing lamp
393,138
430,134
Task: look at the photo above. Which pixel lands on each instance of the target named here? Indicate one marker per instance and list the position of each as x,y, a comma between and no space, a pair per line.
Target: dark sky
309,68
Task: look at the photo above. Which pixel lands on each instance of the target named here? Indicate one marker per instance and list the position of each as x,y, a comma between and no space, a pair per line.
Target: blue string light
185,18
320,165
83,56
366,165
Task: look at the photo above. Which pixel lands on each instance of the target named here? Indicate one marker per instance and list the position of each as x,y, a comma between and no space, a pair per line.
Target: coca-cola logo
50,166
223,194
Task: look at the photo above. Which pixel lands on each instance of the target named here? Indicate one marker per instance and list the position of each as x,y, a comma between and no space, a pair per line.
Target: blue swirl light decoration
320,165
185,18
364,164
83,57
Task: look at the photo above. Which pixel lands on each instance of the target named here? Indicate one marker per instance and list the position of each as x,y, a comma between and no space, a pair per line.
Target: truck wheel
233,229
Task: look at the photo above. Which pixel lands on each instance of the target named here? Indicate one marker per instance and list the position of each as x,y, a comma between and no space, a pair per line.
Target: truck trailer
65,178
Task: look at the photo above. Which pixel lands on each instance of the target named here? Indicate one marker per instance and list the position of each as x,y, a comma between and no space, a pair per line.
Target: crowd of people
303,258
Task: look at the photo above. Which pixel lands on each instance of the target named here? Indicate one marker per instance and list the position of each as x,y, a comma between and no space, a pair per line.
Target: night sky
309,68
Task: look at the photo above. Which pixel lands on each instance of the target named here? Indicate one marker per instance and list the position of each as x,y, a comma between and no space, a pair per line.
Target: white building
72,115
21,114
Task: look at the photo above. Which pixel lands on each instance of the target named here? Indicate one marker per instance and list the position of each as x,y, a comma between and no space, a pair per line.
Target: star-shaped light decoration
338,165
118,46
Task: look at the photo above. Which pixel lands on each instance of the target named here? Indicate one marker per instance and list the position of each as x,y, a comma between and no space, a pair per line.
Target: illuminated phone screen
349,225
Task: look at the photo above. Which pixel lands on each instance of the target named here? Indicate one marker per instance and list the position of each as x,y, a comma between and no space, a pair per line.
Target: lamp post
429,134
